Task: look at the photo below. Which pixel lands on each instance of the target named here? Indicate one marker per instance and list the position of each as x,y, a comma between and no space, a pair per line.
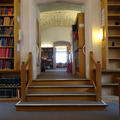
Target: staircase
60,94
66,93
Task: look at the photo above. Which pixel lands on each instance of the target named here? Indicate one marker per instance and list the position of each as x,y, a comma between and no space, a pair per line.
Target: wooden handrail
26,76
96,81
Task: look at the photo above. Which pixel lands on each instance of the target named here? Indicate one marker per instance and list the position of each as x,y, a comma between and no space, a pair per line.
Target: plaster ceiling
57,18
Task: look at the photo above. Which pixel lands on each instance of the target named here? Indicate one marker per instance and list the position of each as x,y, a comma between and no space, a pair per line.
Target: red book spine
4,52
7,52
0,52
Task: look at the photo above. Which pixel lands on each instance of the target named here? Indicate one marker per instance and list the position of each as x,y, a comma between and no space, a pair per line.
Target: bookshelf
9,56
48,57
9,27
111,28
10,88
78,46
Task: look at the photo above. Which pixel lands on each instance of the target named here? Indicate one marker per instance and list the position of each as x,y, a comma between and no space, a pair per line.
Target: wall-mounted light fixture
101,34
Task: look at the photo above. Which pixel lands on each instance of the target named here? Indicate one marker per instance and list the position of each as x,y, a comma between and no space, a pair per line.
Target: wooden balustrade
97,83
26,76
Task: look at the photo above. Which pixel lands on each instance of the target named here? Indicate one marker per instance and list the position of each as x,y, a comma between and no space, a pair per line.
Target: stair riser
60,98
62,108
61,83
60,89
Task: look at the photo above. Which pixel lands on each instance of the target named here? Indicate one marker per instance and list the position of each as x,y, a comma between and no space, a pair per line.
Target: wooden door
81,37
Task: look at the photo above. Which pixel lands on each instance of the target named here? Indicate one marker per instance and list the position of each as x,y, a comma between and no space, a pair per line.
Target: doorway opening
56,25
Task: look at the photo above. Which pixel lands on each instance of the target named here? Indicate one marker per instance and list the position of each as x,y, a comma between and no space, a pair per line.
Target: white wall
49,36
28,27
96,24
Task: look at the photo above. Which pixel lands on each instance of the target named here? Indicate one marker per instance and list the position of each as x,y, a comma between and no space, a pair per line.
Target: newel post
98,81
23,81
30,68
91,68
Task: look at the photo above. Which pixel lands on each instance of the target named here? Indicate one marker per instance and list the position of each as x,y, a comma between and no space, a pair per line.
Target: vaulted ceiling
57,18
59,14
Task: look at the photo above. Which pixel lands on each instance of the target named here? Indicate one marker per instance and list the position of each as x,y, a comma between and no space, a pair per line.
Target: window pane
61,56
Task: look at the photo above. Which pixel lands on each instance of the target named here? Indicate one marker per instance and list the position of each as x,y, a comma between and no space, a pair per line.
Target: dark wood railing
26,76
95,76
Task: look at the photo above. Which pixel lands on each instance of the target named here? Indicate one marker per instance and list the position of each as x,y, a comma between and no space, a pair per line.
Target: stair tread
60,93
59,86
62,103
69,79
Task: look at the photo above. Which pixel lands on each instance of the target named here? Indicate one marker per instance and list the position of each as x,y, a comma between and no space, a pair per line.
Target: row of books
47,49
6,64
10,82
75,35
7,31
75,27
6,10
6,52
6,41
9,93
6,21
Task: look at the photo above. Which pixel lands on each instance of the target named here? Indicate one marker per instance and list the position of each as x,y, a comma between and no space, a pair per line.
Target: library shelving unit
47,56
79,46
110,45
111,28
9,54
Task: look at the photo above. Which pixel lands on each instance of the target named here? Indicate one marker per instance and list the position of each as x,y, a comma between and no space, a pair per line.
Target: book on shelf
9,82
6,64
6,10
6,21
9,93
6,31
6,52
6,42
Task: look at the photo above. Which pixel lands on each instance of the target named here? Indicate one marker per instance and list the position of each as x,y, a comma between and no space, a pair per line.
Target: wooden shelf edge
6,46
113,15
6,35
9,87
113,4
9,99
6,5
9,70
6,15
114,47
8,58
113,25
110,70
6,25
113,58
